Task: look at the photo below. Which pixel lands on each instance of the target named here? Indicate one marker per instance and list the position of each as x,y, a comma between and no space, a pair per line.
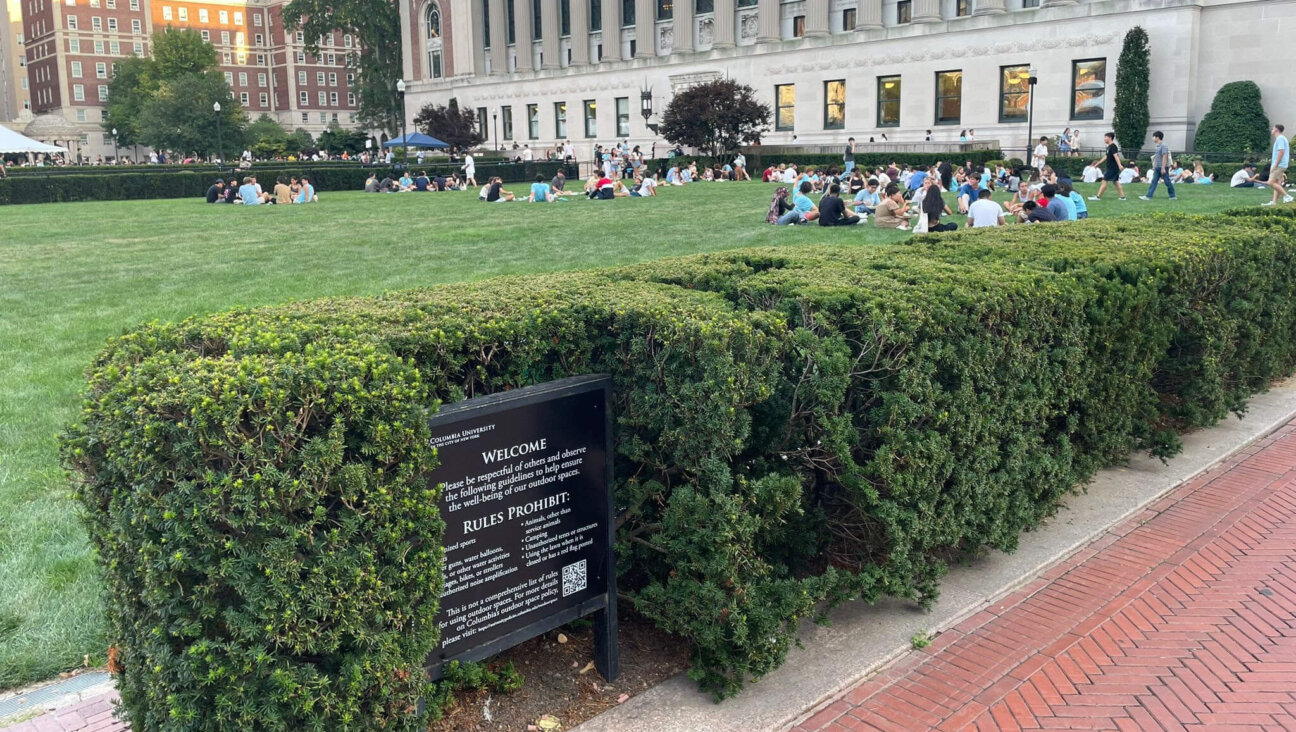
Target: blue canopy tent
418,139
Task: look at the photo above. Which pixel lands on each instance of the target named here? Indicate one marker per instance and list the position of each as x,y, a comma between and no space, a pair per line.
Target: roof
12,142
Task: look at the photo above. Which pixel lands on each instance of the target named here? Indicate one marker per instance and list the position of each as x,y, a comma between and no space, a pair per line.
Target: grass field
74,275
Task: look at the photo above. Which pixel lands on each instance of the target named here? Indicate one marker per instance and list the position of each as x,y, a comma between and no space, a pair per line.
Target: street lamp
116,160
220,146
368,147
646,107
1030,120
400,92
495,117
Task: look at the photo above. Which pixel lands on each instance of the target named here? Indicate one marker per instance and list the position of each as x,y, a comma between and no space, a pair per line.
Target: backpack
776,205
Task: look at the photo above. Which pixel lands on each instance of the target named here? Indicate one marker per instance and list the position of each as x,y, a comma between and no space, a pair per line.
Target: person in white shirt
1128,175
984,213
527,155
1075,142
647,188
790,175
470,171
1245,178
569,152
1039,155
1092,173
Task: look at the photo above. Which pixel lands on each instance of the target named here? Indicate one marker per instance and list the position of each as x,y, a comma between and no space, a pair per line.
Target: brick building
72,46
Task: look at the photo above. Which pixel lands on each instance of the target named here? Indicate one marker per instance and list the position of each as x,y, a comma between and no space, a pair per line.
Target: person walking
1278,163
848,157
1112,167
1161,163
469,169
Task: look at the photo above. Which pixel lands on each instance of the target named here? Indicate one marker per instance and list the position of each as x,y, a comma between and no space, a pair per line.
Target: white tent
12,142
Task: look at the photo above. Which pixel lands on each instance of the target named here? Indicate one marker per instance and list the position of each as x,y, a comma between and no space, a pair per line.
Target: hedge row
758,161
795,427
189,184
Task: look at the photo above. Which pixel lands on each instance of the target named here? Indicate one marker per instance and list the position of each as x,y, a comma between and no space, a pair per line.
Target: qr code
573,578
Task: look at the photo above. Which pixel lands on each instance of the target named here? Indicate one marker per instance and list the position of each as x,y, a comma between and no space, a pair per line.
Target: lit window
1089,88
949,97
184,13
623,116
166,12
1014,93
238,18
591,118
785,107
202,15
798,26
835,104
888,101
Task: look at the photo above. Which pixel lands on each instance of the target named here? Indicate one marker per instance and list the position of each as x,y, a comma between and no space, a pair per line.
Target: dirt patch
555,686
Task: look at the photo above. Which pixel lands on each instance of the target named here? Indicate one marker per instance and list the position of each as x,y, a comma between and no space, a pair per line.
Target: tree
177,52
131,87
715,116
451,125
1131,120
376,63
1236,121
337,140
180,117
300,142
266,138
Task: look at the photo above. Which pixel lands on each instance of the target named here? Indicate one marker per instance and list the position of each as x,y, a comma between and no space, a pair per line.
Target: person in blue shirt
867,200
968,193
250,194
803,209
307,194
1278,163
1077,201
540,192
916,180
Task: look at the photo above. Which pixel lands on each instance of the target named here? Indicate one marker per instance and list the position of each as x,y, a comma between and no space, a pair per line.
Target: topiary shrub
1131,118
1236,121
795,427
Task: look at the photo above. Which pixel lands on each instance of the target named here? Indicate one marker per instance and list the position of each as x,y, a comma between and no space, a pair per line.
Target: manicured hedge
795,427
119,186
758,161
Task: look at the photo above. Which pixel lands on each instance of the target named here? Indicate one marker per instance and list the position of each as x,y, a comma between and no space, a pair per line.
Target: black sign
526,481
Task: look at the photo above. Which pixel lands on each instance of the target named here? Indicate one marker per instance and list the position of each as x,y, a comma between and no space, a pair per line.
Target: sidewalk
1181,617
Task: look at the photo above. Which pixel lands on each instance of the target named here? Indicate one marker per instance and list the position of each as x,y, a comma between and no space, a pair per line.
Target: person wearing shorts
1112,167
1278,165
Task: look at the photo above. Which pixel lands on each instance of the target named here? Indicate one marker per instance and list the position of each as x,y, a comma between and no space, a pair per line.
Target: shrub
1131,117
795,427
1236,121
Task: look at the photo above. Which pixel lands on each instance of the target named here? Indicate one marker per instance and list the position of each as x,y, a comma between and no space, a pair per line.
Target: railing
874,147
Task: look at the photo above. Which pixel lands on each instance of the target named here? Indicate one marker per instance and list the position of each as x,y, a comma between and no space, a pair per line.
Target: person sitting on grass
421,183
250,194
495,192
892,211
1033,213
370,186
1077,201
282,194
232,191
984,212
559,183
867,200
803,209
1246,177
933,207
647,187
540,192
405,184
833,210
1054,204
307,193
216,193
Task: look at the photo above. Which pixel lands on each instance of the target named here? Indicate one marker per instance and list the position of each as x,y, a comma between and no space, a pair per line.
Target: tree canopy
715,116
1236,122
376,63
450,124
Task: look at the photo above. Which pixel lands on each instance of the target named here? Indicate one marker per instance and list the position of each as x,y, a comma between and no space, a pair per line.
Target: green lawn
76,274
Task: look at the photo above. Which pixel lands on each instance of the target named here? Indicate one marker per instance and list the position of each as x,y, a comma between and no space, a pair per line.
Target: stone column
611,30
868,14
645,28
580,21
927,11
725,21
816,23
683,25
550,35
522,33
478,44
768,22
989,7
499,37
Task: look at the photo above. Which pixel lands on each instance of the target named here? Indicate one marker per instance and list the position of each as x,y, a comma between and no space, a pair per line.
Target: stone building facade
541,71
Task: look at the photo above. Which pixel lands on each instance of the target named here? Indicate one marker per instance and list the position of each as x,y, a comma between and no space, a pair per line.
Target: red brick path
1184,617
91,715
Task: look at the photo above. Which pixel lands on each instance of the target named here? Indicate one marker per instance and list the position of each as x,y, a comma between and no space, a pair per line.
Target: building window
848,19
623,117
1014,93
319,78
225,38
1030,3
229,78
627,13
238,18
184,13
560,120
533,121
71,22
332,78
139,49
76,69
112,24
904,12
596,15
74,46
135,26
243,78
101,70
703,6
591,118
665,9
798,26
202,15
835,104
114,48
303,98
78,93
949,97
433,41
962,8
103,92
166,12
506,119
99,48
481,122
301,77
564,18
333,99
785,107
134,5
256,20
1089,88
323,98
888,101
264,99
537,20
510,35
243,98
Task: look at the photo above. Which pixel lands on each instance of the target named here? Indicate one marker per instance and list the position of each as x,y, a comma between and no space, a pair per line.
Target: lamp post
220,146
495,118
646,107
368,147
400,92
1030,120
116,160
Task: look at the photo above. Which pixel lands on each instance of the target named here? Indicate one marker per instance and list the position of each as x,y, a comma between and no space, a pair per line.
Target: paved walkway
1183,617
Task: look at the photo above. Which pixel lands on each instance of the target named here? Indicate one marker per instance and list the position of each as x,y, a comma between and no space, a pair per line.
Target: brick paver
1183,617
91,715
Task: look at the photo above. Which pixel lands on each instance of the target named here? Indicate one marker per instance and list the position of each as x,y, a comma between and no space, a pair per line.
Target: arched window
435,68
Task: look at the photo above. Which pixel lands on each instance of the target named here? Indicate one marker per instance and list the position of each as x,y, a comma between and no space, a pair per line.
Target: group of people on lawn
298,189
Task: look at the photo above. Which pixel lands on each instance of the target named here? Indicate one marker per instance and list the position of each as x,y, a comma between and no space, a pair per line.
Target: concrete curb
862,639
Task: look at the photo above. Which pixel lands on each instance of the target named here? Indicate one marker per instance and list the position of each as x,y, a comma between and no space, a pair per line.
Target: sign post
526,480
